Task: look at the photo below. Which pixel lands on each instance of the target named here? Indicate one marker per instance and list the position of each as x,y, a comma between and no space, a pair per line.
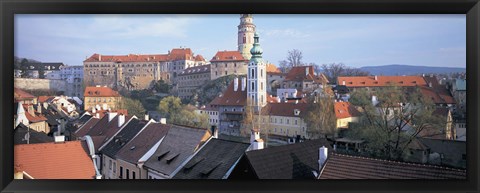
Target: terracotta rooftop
345,110
20,95
199,58
228,56
33,119
353,167
174,54
438,93
271,68
305,73
231,97
68,160
369,81
42,99
93,91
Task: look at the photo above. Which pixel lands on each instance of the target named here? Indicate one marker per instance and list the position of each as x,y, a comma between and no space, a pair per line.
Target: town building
191,79
178,145
275,78
136,152
115,144
293,161
345,114
134,71
73,75
458,89
226,63
24,135
284,120
50,70
339,166
215,160
304,78
101,97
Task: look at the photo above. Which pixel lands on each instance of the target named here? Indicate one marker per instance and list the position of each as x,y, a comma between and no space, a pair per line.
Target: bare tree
334,70
320,116
294,58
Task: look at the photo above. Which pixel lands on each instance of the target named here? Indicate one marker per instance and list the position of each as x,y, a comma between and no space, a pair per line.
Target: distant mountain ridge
400,69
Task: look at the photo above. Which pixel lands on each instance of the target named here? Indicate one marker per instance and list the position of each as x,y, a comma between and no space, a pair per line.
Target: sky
355,40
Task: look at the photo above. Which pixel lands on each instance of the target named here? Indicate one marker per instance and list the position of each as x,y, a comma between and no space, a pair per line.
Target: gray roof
213,161
53,66
179,143
295,161
123,137
20,135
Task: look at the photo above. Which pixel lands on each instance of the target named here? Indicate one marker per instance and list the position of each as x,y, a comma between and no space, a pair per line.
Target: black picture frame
8,8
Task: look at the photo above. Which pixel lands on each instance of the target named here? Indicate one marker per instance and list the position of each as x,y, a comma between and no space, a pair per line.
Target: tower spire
257,77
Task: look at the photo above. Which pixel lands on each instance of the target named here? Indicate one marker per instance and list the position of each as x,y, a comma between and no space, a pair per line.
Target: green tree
133,106
320,116
161,86
24,68
170,106
394,122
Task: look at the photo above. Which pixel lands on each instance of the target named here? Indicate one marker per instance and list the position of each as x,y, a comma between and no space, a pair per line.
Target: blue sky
355,40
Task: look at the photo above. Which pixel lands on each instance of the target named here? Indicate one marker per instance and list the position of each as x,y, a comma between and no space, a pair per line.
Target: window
252,74
226,72
128,174
261,86
110,164
253,86
261,73
121,172
114,167
133,175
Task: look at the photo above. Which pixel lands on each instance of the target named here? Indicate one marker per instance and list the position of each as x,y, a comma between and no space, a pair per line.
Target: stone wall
40,84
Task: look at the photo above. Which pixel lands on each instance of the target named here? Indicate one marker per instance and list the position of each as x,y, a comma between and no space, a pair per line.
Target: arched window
253,86
244,39
252,74
261,73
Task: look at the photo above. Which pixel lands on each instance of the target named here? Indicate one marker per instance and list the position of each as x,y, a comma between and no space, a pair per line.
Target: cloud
294,33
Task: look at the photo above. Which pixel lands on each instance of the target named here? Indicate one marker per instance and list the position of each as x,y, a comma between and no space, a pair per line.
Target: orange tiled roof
33,119
181,54
227,56
305,73
438,93
127,58
231,97
42,99
92,91
369,81
345,110
68,160
271,68
199,58
20,94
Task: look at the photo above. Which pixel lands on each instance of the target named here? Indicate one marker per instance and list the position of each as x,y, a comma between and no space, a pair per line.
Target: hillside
398,69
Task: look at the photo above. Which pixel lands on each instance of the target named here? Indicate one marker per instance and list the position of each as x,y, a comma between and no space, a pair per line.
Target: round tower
246,31
257,76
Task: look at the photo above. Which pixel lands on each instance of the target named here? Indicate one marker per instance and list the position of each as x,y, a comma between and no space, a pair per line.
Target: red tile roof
345,110
271,68
20,95
181,54
304,73
228,56
369,81
92,91
199,58
353,167
438,93
42,99
33,119
231,97
68,160
127,58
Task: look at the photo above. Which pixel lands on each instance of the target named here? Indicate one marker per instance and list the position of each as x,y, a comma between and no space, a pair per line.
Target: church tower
246,31
257,77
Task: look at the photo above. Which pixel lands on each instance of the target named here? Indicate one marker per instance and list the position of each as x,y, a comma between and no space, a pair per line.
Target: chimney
111,115
214,131
97,115
94,110
60,139
163,121
430,84
45,105
121,119
147,118
296,101
278,100
376,77
30,110
343,82
257,144
322,157
235,84
244,83
254,136
99,57
306,71
39,108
